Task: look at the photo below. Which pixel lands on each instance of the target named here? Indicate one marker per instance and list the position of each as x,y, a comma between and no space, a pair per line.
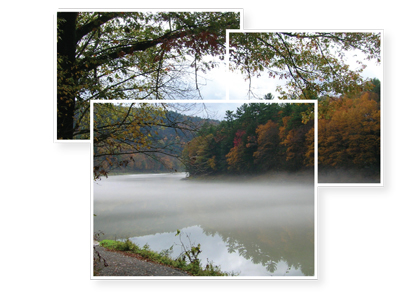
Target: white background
45,186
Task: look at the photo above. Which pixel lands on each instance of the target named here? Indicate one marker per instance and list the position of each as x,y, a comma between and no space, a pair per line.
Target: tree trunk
66,77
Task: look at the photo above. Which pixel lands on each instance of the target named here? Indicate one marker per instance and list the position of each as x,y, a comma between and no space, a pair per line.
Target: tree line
258,137
263,137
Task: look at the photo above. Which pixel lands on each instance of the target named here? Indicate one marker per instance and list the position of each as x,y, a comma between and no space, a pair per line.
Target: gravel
127,264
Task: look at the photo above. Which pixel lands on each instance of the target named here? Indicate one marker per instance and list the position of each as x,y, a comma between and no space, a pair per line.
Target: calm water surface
262,228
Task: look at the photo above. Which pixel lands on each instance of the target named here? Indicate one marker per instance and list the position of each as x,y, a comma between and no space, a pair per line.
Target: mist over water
348,176
256,227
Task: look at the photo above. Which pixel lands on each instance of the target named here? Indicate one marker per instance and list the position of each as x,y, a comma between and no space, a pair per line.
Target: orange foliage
351,135
297,142
234,157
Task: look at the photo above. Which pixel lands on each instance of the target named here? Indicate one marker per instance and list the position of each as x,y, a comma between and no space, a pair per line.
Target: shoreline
128,259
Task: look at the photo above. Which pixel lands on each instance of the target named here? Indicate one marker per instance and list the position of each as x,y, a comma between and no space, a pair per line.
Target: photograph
136,55
204,190
342,70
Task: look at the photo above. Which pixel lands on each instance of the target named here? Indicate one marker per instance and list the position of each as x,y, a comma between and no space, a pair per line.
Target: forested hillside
258,137
141,138
262,137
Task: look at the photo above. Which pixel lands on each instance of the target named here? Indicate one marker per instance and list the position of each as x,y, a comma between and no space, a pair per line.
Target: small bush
120,246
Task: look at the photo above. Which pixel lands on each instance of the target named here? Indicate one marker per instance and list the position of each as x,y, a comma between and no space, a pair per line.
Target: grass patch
187,262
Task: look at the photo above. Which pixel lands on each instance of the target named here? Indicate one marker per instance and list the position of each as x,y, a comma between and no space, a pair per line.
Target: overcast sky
208,109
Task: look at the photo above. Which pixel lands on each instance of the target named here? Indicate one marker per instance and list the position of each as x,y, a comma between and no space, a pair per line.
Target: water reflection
257,228
215,249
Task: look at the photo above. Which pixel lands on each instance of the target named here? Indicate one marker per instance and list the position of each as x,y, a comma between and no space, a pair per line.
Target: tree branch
93,25
89,64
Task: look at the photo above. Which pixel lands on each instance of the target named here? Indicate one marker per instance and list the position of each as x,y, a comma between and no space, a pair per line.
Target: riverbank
305,176
116,258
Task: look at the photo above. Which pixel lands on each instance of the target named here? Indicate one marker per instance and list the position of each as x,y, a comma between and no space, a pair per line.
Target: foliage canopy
132,55
313,64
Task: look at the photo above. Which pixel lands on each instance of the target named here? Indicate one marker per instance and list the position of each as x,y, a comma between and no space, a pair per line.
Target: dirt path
126,264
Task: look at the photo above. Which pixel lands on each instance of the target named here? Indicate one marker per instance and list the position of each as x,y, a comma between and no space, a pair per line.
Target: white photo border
151,278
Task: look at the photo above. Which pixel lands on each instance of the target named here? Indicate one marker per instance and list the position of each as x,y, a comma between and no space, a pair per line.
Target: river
253,228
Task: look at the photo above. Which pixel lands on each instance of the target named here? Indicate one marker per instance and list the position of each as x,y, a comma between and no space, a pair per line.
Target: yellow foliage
351,134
